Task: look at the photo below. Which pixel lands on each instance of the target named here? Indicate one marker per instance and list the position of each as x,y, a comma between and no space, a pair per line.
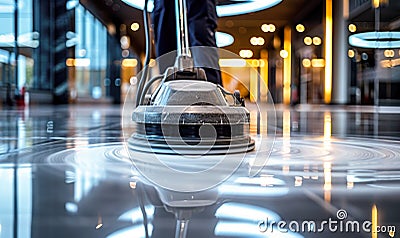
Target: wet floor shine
66,172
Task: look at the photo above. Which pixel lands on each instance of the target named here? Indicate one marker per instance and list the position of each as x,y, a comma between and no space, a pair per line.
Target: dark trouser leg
163,19
202,21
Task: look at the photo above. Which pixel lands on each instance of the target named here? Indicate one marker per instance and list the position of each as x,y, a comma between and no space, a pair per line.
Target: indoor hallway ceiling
241,27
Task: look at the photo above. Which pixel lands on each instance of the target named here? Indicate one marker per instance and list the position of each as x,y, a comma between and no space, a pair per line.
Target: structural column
341,82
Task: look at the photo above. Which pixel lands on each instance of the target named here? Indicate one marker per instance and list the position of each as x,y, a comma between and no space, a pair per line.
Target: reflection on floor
332,172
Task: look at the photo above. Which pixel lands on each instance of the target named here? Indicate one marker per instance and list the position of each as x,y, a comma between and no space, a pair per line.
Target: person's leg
163,19
202,21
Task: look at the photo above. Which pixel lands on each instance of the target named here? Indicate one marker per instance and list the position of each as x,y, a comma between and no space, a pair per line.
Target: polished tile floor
332,171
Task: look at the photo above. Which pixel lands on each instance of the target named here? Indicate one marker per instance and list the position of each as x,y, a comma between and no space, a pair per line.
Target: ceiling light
224,39
300,28
318,63
232,63
351,53
268,27
316,40
284,54
129,63
257,40
253,40
376,40
352,28
255,63
307,40
243,7
246,53
306,63
81,62
375,3
388,53
232,9
135,26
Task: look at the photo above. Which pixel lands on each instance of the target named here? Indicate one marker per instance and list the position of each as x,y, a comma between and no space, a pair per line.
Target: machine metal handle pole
183,59
182,28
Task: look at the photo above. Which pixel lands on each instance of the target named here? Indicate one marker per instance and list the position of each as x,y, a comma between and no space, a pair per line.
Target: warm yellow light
129,63
306,63
69,62
327,127
257,40
287,64
388,53
316,40
255,63
80,62
350,185
351,53
135,26
268,27
254,77
318,63
328,51
265,27
390,63
132,185
352,28
307,40
246,53
300,28
375,3
286,126
262,62
232,63
284,54
152,63
253,40
374,221
327,181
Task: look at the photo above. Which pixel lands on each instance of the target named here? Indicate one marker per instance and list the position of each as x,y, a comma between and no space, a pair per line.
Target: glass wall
65,54
88,62
27,40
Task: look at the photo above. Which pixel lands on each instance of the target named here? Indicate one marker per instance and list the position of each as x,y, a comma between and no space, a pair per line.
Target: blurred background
307,52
